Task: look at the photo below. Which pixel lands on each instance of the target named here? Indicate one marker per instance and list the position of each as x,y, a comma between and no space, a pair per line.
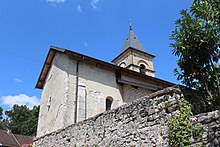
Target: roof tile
6,139
133,42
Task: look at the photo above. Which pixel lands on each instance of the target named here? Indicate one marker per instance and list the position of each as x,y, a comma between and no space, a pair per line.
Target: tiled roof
7,139
132,42
53,50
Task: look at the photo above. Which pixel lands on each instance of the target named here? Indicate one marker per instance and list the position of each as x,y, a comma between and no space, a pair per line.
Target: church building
76,87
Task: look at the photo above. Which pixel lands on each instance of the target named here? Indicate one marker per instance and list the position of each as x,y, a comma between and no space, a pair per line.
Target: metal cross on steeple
132,41
130,21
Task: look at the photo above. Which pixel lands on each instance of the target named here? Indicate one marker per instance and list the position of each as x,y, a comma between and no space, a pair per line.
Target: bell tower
133,56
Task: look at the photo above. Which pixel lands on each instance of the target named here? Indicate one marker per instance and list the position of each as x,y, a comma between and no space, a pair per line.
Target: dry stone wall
209,124
143,122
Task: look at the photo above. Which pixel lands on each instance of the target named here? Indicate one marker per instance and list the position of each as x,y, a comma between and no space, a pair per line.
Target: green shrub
180,126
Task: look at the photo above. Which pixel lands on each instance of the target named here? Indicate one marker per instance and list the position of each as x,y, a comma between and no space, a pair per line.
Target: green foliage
197,43
197,131
3,122
1,113
180,126
167,105
22,120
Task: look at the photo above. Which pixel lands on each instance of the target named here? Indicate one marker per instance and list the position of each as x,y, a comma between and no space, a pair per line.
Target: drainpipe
77,85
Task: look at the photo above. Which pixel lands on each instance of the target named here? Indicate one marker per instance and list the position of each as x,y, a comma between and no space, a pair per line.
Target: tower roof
133,42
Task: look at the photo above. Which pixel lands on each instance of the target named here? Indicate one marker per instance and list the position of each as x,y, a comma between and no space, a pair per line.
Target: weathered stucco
100,83
55,99
95,83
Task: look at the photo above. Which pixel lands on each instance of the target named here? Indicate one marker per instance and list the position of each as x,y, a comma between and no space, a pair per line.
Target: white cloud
94,4
56,1
79,8
18,80
21,99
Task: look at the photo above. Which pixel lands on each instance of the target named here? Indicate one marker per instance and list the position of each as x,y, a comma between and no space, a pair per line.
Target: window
48,102
122,64
108,103
142,69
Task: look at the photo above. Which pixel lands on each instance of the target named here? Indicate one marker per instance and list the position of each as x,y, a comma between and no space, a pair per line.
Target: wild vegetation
197,44
20,120
180,126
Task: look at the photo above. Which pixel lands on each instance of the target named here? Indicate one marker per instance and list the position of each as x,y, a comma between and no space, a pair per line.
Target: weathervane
130,21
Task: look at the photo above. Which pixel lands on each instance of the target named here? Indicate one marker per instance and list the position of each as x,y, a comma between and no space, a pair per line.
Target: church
76,87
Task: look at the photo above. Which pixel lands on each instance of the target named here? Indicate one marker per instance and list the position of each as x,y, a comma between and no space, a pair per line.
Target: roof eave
131,48
46,66
53,50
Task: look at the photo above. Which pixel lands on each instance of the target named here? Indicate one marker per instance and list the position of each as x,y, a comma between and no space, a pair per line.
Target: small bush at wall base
180,126
197,131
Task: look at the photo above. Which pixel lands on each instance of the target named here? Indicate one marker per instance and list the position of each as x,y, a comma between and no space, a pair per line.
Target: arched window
142,69
108,103
122,64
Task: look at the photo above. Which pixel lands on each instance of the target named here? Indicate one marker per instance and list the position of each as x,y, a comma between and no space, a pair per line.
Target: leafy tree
3,122
197,43
1,113
22,120
32,122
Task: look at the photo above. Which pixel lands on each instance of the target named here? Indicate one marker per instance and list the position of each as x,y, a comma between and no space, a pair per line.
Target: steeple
133,55
132,41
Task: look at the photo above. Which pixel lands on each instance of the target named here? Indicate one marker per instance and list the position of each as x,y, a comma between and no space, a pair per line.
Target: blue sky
96,28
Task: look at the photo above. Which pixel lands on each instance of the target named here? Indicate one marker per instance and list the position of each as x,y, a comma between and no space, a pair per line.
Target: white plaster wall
97,83
57,86
100,83
60,85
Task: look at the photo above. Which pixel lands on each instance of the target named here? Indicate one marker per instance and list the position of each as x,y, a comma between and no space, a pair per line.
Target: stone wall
131,93
209,123
143,122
